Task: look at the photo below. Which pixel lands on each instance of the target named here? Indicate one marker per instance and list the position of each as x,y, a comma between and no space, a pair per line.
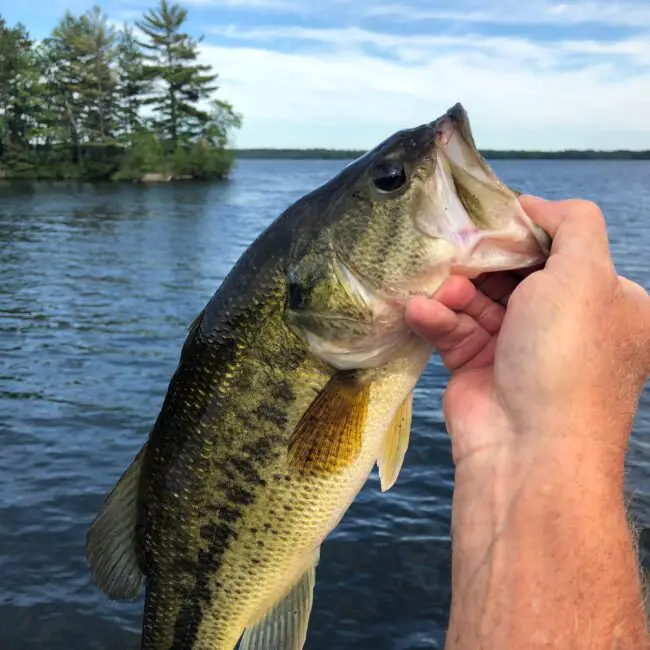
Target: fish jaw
508,248
383,341
477,221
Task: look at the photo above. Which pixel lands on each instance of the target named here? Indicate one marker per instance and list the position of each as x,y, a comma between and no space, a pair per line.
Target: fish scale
235,456
294,381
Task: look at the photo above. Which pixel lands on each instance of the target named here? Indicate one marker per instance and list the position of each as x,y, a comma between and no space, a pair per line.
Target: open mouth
454,138
475,211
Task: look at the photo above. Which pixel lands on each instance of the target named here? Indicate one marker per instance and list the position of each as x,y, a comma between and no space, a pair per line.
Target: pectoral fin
329,435
284,626
110,543
395,444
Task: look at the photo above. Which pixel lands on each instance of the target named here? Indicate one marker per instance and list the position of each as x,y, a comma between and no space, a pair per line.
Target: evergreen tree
172,59
133,85
64,73
19,89
72,105
98,76
81,79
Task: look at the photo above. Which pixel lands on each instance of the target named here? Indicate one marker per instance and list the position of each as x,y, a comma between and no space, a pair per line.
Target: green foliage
89,102
221,120
172,58
201,161
78,59
145,155
132,85
20,88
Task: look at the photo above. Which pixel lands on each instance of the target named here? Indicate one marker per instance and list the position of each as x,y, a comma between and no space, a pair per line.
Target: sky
532,74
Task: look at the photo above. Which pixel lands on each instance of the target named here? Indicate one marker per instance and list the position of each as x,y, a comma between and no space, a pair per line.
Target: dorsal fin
195,324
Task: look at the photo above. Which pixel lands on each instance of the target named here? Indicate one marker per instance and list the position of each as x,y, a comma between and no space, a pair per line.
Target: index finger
576,227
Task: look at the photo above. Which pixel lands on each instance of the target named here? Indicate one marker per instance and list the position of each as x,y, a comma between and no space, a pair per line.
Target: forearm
542,558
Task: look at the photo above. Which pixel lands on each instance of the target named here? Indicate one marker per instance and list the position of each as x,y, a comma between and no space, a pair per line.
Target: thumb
576,227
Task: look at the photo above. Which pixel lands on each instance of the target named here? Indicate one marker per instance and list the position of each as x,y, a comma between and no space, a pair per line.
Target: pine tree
19,87
133,85
98,77
71,104
64,73
172,56
81,79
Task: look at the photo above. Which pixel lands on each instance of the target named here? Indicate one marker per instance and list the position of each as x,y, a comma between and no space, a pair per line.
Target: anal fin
110,542
284,626
395,444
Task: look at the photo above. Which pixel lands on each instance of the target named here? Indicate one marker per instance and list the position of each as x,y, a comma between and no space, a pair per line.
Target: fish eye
295,295
389,176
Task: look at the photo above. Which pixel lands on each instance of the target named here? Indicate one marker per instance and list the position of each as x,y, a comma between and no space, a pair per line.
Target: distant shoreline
490,154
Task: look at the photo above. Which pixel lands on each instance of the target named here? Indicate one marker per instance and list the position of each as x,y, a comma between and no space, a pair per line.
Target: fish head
396,223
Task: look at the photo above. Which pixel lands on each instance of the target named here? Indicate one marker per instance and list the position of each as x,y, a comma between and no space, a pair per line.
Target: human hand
547,368
563,363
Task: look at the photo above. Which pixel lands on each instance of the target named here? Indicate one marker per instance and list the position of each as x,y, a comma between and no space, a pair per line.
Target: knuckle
590,213
488,312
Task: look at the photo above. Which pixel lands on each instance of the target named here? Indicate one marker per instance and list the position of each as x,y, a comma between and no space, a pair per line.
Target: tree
82,82
133,85
172,56
72,105
64,73
222,119
19,87
98,77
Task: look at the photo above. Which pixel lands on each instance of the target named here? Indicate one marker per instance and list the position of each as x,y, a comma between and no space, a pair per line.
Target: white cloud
633,14
519,94
350,86
418,47
351,37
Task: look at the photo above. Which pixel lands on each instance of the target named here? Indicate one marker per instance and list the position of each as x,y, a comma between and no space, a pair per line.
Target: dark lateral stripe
190,617
218,535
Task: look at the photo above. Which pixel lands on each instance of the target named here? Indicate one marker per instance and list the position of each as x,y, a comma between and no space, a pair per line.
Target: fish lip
454,123
473,244
456,117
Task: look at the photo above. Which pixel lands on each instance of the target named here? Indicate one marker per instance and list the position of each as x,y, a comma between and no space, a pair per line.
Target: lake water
98,284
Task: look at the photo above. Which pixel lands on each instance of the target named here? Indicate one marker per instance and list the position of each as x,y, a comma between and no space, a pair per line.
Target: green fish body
294,381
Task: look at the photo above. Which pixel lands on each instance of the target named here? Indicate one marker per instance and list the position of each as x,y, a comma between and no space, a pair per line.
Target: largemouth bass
294,381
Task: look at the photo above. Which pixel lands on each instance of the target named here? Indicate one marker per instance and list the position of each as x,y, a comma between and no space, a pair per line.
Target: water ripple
98,284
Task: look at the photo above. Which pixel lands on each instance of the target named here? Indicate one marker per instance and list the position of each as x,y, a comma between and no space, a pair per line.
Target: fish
295,381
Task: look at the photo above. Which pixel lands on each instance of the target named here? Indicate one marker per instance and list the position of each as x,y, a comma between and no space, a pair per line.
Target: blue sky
533,74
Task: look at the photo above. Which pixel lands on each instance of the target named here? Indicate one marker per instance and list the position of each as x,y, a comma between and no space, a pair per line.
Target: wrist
494,484
558,450
537,533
